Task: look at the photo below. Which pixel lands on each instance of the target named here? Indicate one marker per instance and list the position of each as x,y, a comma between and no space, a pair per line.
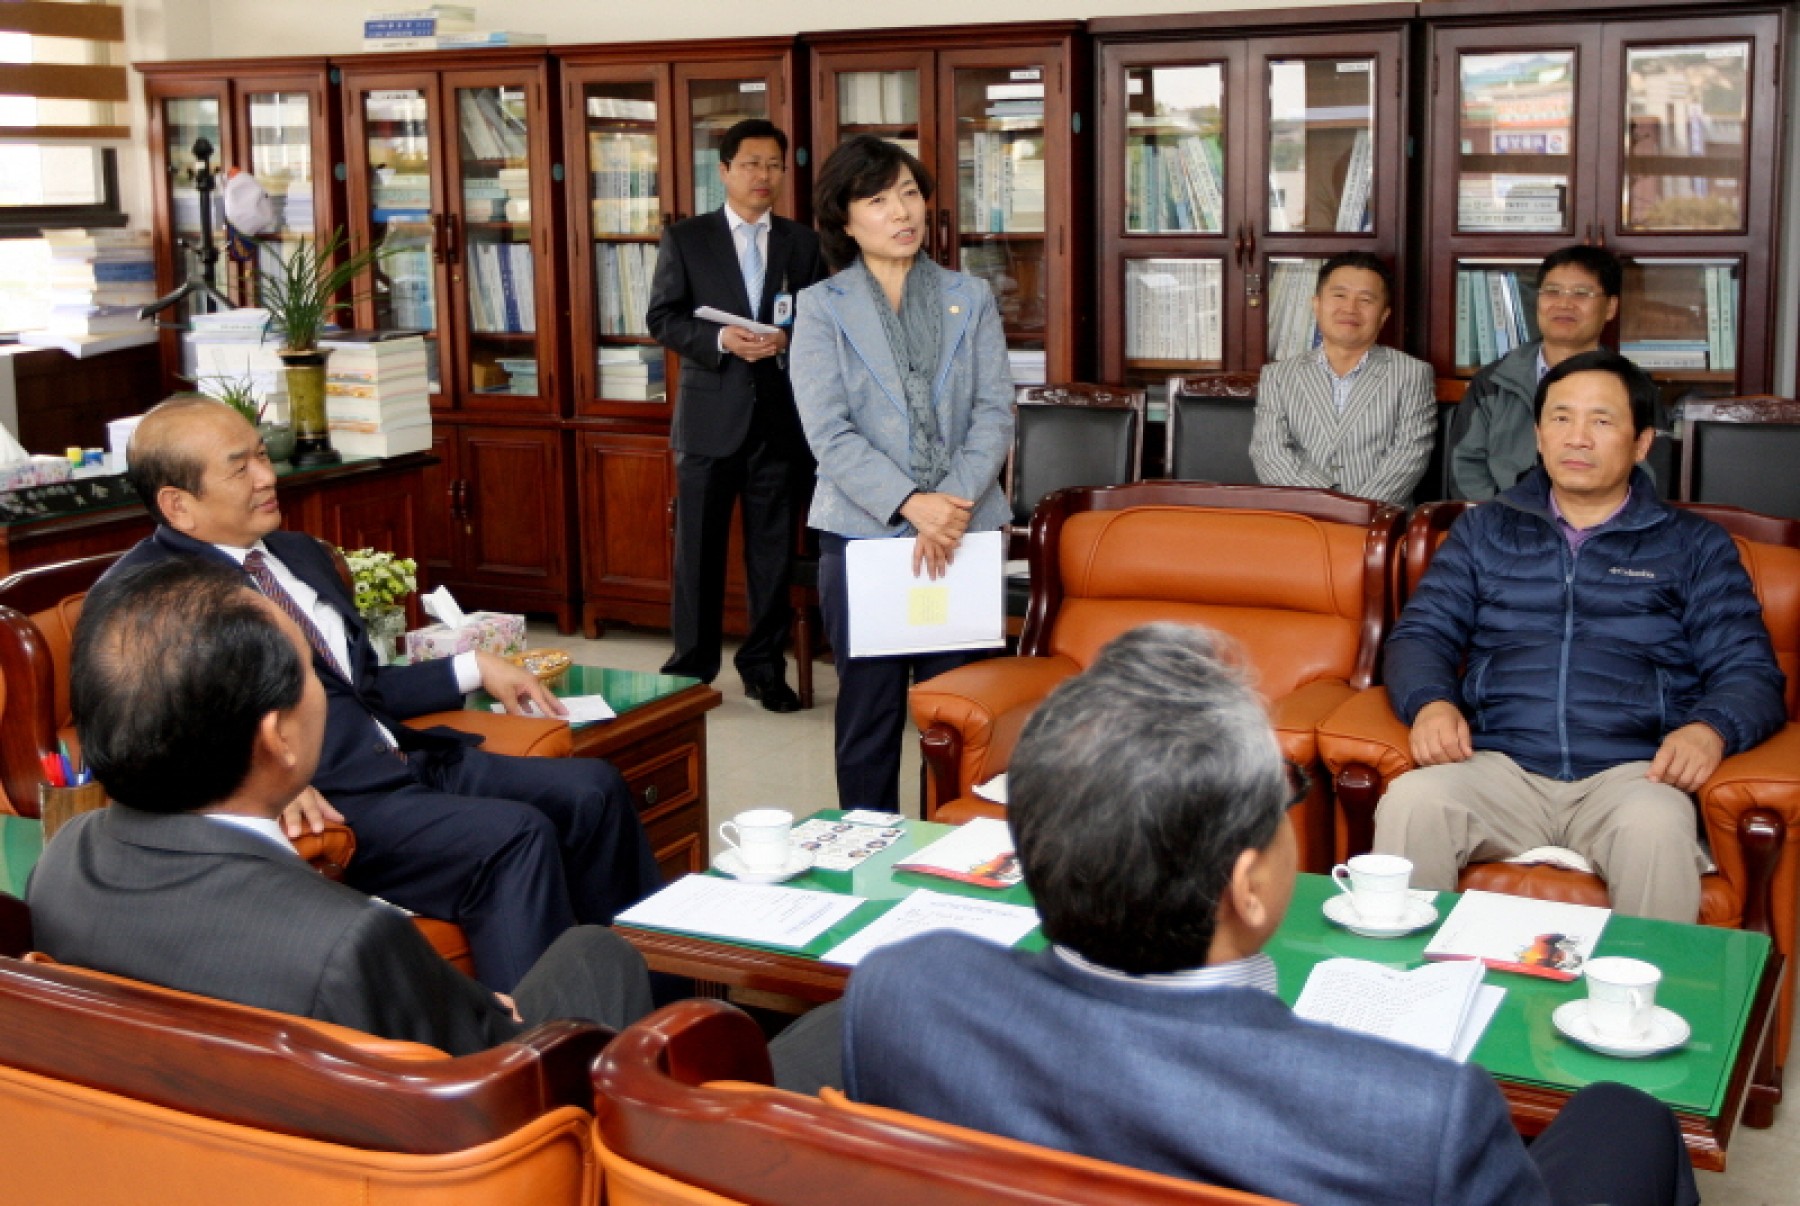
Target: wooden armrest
520,736
1366,731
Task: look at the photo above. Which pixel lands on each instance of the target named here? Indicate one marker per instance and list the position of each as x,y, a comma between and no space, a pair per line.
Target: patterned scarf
913,335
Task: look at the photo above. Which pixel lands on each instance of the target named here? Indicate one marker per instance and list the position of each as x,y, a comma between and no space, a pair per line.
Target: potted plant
240,394
381,582
301,295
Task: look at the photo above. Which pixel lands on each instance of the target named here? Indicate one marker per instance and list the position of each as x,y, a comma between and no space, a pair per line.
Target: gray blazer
1377,448
853,406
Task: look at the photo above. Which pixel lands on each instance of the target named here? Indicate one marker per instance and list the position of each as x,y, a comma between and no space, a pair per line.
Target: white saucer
1341,910
1668,1030
729,862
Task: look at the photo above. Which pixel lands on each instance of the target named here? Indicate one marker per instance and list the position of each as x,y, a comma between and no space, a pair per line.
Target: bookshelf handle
946,251
437,238
1250,244
452,237
668,219
1237,246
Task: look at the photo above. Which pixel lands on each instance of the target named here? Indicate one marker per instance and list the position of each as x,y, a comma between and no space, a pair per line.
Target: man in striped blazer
1348,415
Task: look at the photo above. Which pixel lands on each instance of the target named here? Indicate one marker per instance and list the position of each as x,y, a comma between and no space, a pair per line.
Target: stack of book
1027,365
376,398
98,280
521,373
1510,204
235,347
632,374
1496,311
625,185
1292,328
417,28
1172,310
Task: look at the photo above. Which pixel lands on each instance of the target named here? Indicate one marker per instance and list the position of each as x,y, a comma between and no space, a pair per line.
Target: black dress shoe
775,695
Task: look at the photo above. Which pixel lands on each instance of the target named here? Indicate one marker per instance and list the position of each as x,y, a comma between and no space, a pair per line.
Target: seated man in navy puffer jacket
1578,658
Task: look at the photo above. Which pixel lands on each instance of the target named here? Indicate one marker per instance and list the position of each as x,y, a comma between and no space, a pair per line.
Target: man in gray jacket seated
1493,436
1149,805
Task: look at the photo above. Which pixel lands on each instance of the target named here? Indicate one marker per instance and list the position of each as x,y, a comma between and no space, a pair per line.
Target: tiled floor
759,758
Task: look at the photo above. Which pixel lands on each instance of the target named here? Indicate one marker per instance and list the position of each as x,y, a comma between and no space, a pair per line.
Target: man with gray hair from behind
1149,805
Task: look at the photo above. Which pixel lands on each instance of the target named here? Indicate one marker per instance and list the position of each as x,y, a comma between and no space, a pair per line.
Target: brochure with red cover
1545,938
980,853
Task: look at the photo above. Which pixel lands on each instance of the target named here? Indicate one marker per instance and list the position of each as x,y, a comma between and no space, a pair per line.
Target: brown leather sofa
683,1116
39,609
1299,578
1748,807
119,1091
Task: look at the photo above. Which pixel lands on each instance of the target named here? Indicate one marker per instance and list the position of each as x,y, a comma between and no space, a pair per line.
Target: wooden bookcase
1238,151
642,127
995,113
1652,129
275,118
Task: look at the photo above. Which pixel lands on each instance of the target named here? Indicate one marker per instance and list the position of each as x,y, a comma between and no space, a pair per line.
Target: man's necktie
753,268
257,566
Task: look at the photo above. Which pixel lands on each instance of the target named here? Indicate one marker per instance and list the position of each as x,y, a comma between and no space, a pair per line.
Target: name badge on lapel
784,310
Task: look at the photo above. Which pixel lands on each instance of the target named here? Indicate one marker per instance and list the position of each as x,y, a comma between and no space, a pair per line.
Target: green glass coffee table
21,841
1722,981
658,742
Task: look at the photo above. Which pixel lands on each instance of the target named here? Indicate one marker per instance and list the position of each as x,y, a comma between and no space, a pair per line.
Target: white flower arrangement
381,580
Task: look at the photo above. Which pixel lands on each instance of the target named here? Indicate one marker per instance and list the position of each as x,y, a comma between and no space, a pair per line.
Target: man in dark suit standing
737,436
515,850
1149,803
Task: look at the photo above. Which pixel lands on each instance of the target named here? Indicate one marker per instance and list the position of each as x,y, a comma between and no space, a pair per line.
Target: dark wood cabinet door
513,504
439,520
626,490
377,515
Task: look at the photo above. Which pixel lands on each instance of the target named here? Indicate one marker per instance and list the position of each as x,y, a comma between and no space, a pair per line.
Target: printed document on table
1441,1007
723,908
892,612
710,314
924,911
581,709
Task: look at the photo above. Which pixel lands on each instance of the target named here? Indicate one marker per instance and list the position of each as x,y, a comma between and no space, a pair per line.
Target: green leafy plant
381,580
239,393
301,295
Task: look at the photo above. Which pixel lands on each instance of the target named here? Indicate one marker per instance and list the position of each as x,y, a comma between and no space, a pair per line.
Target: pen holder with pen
57,805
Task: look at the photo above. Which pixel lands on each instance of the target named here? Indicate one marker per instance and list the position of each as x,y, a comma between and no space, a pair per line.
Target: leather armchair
1299,578
1748,807
683,1115
115,1090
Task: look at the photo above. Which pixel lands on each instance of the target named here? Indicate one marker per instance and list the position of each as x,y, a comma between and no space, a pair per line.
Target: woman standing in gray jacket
900,375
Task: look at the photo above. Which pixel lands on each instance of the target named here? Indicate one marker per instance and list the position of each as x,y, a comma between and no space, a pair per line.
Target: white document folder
892,612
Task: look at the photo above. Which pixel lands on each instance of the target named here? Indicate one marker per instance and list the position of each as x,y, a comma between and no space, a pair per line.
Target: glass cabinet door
1516,142
492,244
1678,317
187,119
999,198
626,213
1687,111
882,102
713,107
281,148
1321,151
397,128
1175,149
1174,311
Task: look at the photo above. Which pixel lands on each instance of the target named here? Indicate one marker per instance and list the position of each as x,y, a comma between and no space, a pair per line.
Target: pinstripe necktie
257,566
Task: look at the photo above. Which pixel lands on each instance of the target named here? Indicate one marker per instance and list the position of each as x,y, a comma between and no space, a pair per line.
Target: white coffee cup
1621,996
1376,884
762,837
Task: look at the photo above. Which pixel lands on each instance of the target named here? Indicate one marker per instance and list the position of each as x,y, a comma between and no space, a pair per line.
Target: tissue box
489,631
38,471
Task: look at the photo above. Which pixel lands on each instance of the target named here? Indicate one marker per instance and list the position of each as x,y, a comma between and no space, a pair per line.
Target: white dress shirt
267,827
1252,971
741,232
330,624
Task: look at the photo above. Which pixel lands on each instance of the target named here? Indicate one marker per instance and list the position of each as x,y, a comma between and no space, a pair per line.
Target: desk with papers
1722,981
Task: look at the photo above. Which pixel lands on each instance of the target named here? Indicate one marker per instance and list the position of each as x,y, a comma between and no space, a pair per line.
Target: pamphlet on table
740,912
1441,1007
843,845
980,853
1546,938
925,911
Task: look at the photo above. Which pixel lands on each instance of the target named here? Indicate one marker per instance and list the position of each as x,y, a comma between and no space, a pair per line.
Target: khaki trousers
1639,835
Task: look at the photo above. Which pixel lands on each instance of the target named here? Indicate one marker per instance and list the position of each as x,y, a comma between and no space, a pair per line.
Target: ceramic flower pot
306,407
278,438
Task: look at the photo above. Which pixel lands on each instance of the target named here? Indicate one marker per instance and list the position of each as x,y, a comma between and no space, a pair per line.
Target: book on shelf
1175,186
476,38
1676,354
387,443
621,108
631,374
1354,211
1172,310
625,186
502,288
491,128
1546,938
1292,326
1443,1008
622,276
980,853
1029,366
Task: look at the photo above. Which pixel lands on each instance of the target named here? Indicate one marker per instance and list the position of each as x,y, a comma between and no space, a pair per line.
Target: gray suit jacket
853,405
207,908
1377,448
1220,1085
